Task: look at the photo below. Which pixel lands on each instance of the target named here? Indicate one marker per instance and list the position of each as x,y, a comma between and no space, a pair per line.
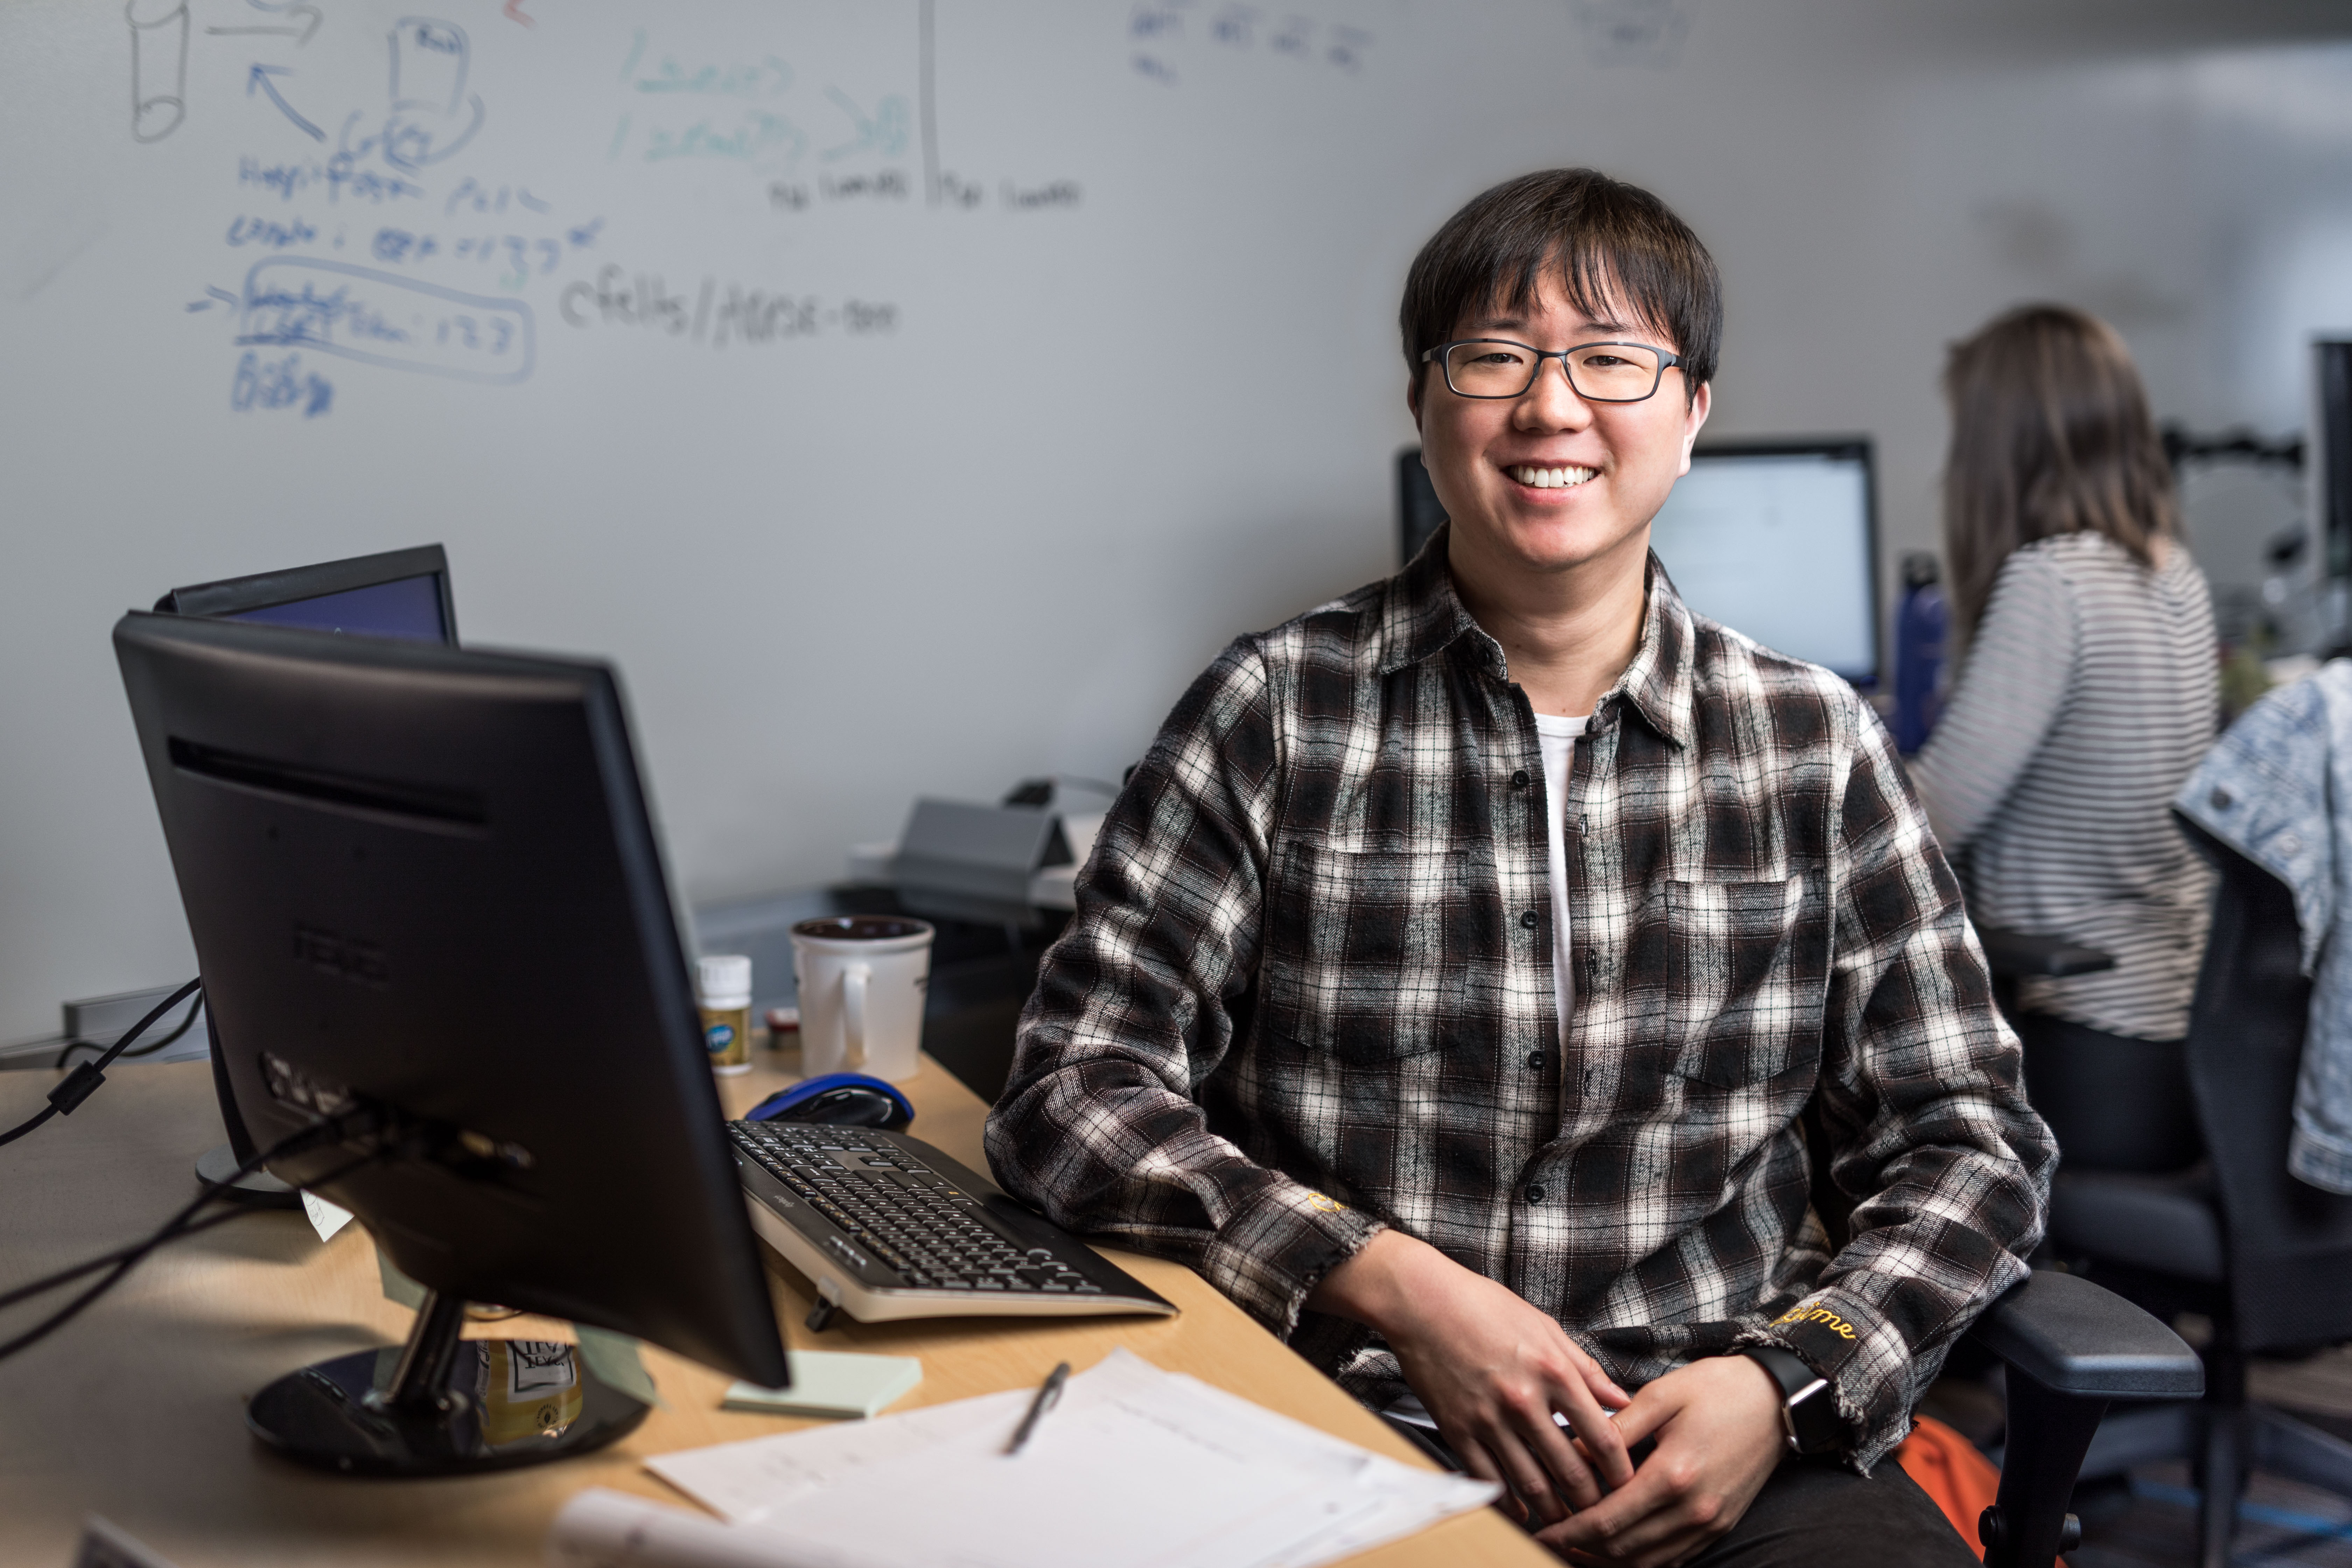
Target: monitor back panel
427,876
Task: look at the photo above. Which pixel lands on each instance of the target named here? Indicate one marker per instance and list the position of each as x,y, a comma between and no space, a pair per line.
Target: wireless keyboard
886,1226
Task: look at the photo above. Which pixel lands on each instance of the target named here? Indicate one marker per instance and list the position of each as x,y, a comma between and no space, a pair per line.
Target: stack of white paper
1134,1466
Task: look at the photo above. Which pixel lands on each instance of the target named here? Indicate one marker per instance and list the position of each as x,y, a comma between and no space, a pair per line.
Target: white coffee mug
862,981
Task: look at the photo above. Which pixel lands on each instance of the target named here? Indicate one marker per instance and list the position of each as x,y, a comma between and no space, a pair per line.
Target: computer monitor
1778,540
423,885
396,593
391,593
1775,539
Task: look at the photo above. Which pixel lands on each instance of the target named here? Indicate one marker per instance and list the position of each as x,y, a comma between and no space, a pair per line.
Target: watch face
1810,1420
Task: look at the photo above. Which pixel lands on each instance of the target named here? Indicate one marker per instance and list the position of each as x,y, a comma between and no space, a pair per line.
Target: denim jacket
2277,788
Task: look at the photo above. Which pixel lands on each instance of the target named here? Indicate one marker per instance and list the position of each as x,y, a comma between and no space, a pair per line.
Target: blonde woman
2085,695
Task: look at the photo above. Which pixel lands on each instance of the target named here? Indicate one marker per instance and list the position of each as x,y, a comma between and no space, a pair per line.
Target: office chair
2266,1257
2014,955
2070,1349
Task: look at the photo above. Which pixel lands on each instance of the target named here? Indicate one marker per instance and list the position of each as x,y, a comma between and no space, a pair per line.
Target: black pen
1047,1397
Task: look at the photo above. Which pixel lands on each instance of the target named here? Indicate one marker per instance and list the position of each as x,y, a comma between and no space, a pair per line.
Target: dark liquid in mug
860,928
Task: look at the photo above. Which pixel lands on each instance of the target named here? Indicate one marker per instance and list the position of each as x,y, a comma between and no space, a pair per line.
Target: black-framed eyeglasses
1598,372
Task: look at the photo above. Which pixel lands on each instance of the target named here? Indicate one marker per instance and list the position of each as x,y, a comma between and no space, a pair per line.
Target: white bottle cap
724,980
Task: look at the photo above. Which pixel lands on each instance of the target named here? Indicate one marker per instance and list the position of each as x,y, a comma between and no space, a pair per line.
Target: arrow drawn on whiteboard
300,32
514,11
261,78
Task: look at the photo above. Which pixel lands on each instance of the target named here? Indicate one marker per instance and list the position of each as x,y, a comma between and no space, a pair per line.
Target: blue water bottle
1919,629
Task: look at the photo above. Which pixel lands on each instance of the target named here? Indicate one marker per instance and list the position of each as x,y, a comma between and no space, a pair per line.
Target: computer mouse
838,1099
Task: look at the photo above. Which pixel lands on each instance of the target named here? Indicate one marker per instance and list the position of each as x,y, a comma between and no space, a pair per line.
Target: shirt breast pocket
1748,973
1365,955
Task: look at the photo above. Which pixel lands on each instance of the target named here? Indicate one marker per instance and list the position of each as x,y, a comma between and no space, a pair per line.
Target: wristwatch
1809,1418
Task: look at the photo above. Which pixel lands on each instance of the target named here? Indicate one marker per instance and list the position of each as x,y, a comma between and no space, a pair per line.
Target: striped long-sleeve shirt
1309,993
2088,696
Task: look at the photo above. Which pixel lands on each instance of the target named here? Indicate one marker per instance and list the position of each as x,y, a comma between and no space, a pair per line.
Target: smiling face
1547,483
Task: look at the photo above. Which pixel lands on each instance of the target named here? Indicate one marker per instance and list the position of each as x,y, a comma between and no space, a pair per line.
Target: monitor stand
441,1405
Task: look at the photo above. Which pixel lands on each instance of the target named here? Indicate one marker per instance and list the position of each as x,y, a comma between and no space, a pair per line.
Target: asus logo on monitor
361,963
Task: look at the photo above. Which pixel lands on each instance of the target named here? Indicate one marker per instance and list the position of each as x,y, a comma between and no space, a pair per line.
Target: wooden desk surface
134,1410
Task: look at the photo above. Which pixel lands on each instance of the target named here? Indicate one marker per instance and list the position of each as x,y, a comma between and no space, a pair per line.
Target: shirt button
1529,919
1534,1058
1519,779
1534,1195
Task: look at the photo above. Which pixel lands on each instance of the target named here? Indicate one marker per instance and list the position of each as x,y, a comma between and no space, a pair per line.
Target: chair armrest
2072,1349
2014,954
2076,1338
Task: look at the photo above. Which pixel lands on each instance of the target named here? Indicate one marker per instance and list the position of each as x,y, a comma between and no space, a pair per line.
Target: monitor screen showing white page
1777,545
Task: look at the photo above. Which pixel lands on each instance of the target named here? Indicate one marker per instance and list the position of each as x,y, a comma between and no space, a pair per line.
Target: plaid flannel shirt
1307,993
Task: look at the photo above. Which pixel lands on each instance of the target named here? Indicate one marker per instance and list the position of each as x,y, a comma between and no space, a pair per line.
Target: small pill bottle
724,981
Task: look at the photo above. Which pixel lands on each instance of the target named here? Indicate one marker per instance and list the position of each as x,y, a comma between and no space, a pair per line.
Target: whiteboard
885,387
866,380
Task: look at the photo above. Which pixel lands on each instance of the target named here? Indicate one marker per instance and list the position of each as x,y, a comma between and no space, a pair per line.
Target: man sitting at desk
1447,983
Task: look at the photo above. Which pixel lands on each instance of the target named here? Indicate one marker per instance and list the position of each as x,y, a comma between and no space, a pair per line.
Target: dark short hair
1610,246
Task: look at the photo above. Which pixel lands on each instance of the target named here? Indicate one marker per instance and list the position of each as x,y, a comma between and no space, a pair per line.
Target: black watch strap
1809,1418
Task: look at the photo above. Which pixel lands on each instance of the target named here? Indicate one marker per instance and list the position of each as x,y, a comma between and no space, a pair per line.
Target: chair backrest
2289,1243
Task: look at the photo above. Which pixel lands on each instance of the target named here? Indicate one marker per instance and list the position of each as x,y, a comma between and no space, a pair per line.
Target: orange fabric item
1950,1469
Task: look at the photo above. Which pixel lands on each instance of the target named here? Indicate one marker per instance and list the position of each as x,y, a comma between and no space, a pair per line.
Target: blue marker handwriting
714,316
481,199
279,383
377,318
340,175
269,232
524,255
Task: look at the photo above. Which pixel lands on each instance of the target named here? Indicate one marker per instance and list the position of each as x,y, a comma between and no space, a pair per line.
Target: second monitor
1778,540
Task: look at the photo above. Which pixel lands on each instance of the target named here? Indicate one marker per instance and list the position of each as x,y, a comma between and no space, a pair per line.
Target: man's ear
1413,400
1694,421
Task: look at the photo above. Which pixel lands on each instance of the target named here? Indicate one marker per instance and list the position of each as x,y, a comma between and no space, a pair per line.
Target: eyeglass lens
1600,373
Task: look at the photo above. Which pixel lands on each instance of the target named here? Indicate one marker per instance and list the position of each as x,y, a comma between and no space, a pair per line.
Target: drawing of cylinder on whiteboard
159,67
432,116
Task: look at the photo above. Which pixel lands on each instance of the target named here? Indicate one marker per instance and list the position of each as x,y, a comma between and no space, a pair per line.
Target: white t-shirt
1559,738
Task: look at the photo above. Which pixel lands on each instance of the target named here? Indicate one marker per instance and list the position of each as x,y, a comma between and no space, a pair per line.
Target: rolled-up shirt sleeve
1923,1099
1137,1004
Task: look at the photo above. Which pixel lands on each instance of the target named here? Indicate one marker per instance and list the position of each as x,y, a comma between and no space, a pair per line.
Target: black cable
79,1083
68,1275
180,1225
164,1232
149,1048
23,1127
